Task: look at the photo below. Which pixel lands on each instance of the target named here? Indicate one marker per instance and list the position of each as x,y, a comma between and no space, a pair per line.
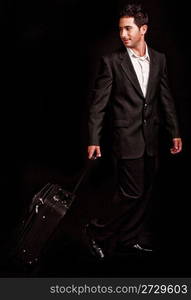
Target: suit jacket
135,118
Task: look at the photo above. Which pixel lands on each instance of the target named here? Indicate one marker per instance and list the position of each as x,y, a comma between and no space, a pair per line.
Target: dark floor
74,260
67,254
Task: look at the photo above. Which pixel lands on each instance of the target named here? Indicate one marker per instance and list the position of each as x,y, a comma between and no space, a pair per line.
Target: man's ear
143,29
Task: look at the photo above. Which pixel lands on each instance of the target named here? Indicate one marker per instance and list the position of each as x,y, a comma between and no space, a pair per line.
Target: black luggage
47,209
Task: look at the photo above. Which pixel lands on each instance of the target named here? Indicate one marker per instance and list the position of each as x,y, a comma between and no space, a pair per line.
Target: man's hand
176,146
94,152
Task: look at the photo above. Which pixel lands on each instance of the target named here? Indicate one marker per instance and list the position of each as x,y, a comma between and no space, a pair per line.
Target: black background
49,56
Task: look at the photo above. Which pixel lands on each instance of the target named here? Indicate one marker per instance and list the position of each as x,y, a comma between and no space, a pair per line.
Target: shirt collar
133,54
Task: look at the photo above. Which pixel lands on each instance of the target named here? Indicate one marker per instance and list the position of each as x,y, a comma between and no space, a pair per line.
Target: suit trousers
129,212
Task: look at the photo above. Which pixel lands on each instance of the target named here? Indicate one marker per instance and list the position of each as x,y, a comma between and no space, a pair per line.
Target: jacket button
145,106
145,121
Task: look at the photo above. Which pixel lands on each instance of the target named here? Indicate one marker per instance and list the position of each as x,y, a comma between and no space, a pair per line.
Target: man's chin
127,44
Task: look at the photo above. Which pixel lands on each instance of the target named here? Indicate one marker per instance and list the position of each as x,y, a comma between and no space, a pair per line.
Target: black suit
135,121
135,118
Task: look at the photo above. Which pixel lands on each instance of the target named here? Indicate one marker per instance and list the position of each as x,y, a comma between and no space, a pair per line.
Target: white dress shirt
141,65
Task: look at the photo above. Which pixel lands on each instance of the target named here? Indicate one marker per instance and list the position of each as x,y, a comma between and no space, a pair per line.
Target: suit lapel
152,72
130,72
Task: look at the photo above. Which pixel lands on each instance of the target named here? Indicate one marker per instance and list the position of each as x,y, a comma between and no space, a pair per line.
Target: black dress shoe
142,248
94,248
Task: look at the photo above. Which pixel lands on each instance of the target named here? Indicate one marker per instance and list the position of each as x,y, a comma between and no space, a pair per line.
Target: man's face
130,34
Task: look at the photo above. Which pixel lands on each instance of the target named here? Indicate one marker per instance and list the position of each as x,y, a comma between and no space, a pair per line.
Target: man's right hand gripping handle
94,152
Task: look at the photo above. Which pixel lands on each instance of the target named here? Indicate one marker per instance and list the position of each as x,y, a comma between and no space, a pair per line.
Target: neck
140,49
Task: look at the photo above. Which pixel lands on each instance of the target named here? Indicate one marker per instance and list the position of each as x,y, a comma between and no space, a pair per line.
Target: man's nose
123,33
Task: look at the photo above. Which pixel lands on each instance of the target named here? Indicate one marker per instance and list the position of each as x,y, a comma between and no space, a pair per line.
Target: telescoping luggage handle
49,190
84,173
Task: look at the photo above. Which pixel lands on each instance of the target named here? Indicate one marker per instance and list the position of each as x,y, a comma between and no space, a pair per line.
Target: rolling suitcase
47,209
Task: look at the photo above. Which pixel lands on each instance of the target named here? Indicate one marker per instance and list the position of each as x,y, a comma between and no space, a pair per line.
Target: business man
134,81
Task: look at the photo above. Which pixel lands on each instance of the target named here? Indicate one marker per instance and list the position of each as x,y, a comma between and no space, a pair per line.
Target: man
134,81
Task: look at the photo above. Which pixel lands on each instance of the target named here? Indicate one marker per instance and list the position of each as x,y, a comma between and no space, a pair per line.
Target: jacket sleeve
99,100
168,104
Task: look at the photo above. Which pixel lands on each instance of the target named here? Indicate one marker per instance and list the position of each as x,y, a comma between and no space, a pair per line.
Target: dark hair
137,12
